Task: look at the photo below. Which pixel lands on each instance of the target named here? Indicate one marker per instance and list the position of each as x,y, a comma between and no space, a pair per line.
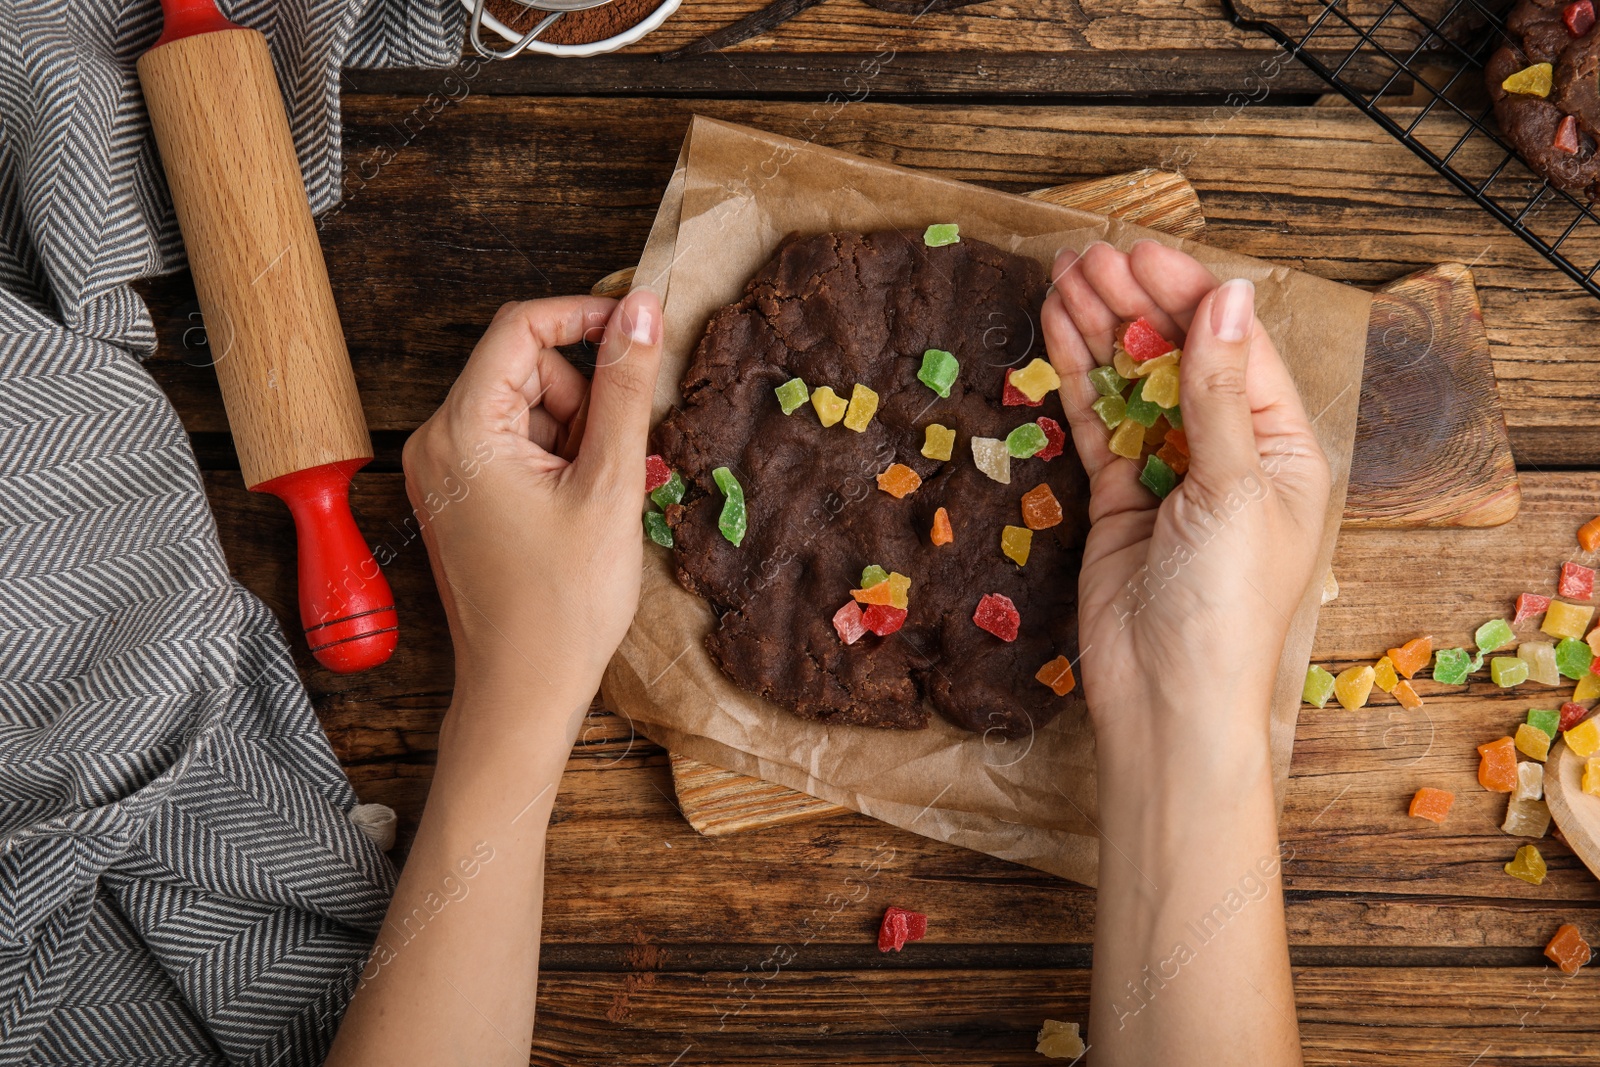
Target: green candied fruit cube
1158,477
733,520
1141,410
669,492
1107,382
1573,657
939,370
942,233
1507,671
656,528
1111,409
1493,635
791,394
1174,416
872,575
1026,440
1545,719
1318,688
1451,666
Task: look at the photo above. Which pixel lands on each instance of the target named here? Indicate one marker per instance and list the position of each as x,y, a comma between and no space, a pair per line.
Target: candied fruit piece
1528,865
1566,137
1566,620
1578,17
992,458
1589,535
938,442
942,233
899,481
1150,366
863,405
1493,635
1571,715
1143,341
669,492
1140,410
656,473
900,926
872,574
1573,657
1584,738
829,405
1057,674
1497,765
1407,696
1532,742
1124,365
941,534
1526,818
878,593
1451,666
1107,382
1530,781
1037,380
1111,409
1161,387
1318,687
1568,950
1157,477
1353,686
1016,542
1383,675
1178,461
1412,656
848,624
1529,605
1059,1041
939,370
1591,776
1026,441
1507,671
899,590
1040,508
1154,435
1531,81
1055,438
1593,640
733,520
883,619
1576,581
792,394
1588,688
1012,397
998,615
1540,657
656,528
1432,804
1546,719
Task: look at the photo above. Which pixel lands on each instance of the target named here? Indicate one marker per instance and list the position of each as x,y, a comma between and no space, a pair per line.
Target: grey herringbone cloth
179,883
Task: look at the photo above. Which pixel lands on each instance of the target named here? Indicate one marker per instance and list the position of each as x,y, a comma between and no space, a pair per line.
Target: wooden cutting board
1431,447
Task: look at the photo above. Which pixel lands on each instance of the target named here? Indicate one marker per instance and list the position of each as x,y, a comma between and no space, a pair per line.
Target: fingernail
1065,258
1232,309
1143,241
644,325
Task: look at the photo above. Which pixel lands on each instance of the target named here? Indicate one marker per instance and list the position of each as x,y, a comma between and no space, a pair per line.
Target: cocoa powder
575,27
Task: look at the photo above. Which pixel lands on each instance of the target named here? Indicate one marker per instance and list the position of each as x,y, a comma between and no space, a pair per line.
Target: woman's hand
529,483
1192,596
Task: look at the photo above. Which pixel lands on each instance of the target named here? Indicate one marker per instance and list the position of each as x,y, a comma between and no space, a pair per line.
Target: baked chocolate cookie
838,309
1556,134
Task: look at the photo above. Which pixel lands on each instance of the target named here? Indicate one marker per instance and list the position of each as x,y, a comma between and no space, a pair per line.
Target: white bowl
593,48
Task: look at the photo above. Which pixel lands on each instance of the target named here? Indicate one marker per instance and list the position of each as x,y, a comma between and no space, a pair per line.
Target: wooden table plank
495,198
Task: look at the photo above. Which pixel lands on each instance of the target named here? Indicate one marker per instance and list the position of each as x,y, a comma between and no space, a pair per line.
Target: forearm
452,976
1191,959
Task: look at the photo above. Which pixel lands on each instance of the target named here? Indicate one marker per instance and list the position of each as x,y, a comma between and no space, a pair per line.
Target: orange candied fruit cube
1568,950
1040,508
1432,804
1174,459
1178,440
1057,674
882,593
1589,539
1407,696
899,481
942,533
1412,656
1497,769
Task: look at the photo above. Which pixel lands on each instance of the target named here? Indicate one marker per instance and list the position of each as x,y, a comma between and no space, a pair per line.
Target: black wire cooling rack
1429,96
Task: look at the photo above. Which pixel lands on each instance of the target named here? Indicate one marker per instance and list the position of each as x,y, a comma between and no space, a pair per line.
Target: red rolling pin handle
185,18
345,602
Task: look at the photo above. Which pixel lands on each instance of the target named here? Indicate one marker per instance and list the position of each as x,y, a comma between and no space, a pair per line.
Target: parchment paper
735,194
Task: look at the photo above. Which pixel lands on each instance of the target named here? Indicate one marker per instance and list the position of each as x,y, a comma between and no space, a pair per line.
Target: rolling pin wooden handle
345,602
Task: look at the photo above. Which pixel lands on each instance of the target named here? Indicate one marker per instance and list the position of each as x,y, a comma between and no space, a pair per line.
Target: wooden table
1410,943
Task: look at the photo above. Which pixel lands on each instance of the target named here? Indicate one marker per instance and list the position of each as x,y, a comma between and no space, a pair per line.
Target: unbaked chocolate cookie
838,309
1555,134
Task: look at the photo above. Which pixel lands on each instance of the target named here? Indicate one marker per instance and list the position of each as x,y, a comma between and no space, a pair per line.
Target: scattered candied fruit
1040,508
1566,138
656,528
1507,671
1588,688
1111,409
1526,818
791,394
848,624
899,481
1528,865
734,519
1584,738
1497,765
1573,657
1531,81
1059,1041
1318,687
1012,397
1566,620
1178,461
656,473
1591,776
939,370
1577,581
1026,441
1529,605
863,405
1055,438
1383,675
1353,687
1530,782
1547,720
1127,440
1161,386
941,534
900,926
1451,666
1578,17
1589,535
942,233
1157,477
998,615
1493,635
1541,659
829,405
1407,696
1016,542
1432,804
991,456
1568,950
938,442
1571,715
883,619
1412,656
1107,382
1057,674
1037,380
1143,341
1532,742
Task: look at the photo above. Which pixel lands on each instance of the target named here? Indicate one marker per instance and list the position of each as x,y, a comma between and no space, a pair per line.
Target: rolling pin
269,314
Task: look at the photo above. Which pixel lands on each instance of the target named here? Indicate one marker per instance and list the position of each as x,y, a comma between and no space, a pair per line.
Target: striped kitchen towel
179,881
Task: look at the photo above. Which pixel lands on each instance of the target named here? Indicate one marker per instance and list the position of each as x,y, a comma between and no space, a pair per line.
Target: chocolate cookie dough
837,309
1542,31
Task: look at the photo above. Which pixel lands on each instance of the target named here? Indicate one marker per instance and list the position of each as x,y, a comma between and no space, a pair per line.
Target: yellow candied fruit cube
1591,776
1016,542
1353,687
1161,387
1584,738
1151,365
1127,440
1528,865
1587,689
1532,742
1536,80
1566,620
863,405
1036,380
899,590
938,442
1383,673
1124,364
830,406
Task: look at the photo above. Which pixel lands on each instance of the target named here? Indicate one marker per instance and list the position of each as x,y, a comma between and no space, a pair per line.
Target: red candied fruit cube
1055,438
847,621
1571,715
656,473
1577,581
900,926
883,619
1012,397
1579,17
1529,605
998,615
1566,136
1143,341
